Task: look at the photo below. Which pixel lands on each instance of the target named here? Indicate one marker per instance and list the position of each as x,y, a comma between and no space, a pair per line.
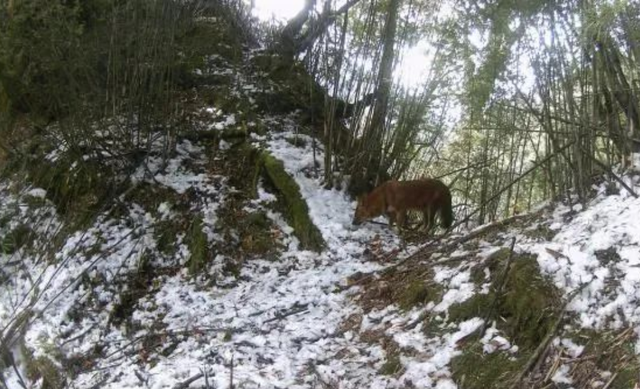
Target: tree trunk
373,137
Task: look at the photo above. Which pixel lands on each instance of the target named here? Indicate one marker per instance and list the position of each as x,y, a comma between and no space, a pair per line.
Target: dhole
394,198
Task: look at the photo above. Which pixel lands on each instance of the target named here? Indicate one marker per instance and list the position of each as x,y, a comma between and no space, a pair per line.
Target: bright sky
414,61
414,64
280,10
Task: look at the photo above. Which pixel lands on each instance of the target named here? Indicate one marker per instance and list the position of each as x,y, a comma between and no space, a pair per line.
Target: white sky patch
415,65
279,10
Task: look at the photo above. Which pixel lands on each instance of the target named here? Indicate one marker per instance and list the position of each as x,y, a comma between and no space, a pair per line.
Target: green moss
529,303
294,207
526,308
392,365
476,306
228,335
15,239
474,369
198,247
166,237
417,292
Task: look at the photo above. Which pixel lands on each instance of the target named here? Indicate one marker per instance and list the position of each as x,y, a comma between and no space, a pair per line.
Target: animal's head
363,211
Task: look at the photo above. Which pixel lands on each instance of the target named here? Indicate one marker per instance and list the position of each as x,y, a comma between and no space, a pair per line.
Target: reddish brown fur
395,198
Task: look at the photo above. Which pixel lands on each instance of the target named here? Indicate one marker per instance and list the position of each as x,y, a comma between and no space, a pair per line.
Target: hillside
232,266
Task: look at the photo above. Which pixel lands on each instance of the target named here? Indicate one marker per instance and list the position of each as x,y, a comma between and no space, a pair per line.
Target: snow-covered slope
298,321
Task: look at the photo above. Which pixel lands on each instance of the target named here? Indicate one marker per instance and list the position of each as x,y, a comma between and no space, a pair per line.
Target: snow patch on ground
596,254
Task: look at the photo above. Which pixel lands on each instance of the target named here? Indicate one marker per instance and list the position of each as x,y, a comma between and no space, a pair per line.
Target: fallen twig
292,311
422,252
185,384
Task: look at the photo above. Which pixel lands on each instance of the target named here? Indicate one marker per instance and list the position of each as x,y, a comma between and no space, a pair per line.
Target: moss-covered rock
525,310
198,247
529,303
295,208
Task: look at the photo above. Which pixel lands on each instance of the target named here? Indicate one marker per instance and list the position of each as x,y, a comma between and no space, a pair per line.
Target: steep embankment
219,268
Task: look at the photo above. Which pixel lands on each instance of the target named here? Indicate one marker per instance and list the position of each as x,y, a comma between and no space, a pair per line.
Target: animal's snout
356,222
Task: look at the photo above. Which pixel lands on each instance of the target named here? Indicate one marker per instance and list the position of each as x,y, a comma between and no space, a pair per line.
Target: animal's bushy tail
446,210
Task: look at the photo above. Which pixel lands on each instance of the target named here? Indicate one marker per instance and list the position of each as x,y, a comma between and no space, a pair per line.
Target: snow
492,341
574,350
280,324
330,210
562,375
572,260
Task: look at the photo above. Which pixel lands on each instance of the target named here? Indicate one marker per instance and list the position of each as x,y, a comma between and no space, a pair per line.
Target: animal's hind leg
429,218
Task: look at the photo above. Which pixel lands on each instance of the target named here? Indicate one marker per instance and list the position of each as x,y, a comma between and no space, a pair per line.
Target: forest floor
188,280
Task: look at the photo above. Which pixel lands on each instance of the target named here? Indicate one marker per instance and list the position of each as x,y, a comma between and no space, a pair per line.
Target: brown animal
395,198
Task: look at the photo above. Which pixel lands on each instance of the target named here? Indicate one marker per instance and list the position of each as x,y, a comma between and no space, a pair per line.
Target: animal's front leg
391,215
